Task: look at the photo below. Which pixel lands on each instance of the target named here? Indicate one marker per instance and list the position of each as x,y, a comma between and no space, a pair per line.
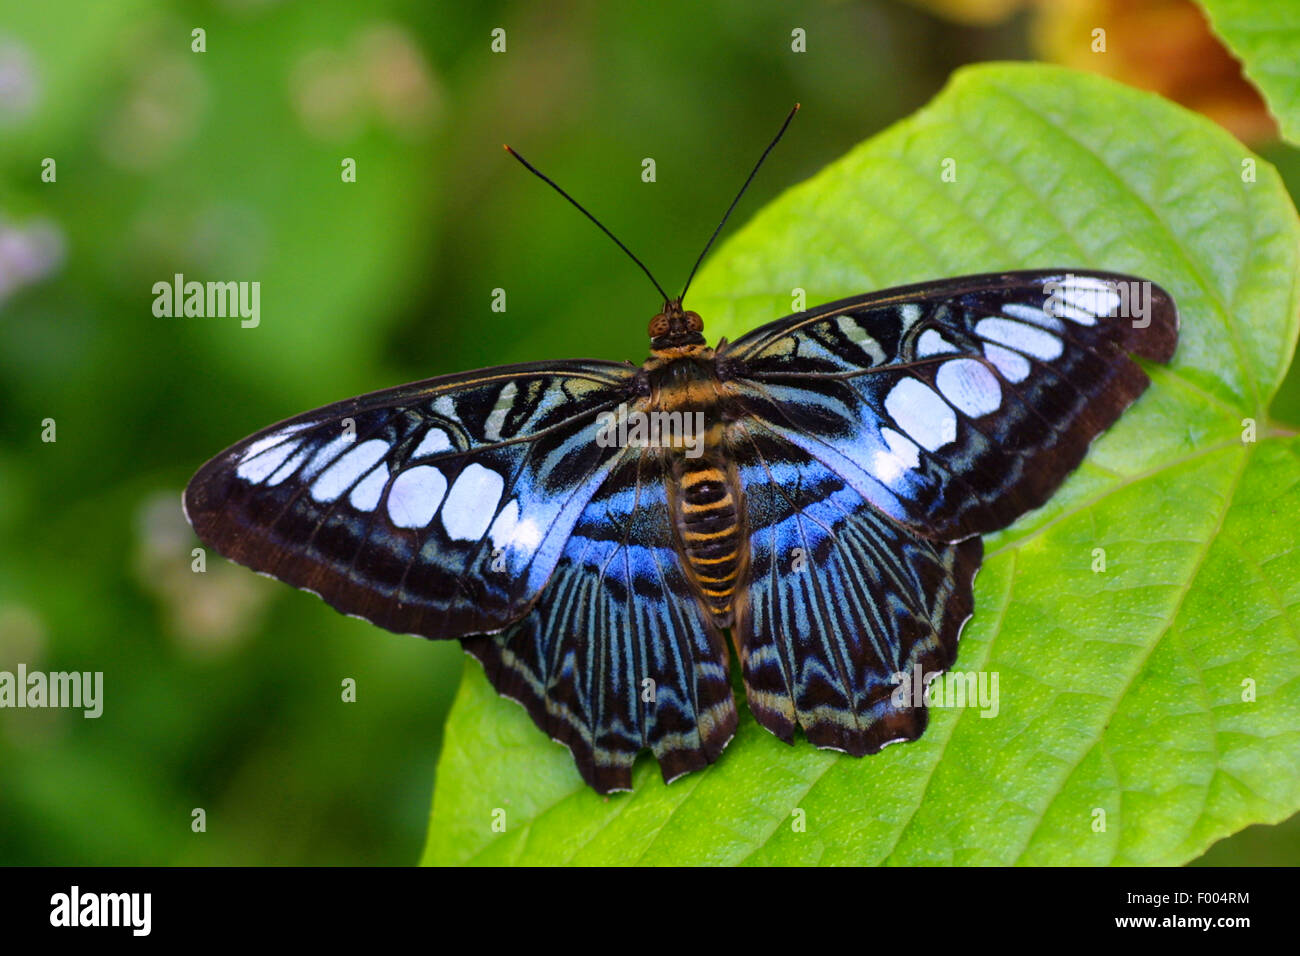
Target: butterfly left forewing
439,508
956,406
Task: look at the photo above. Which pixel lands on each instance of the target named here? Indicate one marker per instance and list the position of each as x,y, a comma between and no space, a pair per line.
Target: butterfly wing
439,508
956,406
617,654
842,600
881,436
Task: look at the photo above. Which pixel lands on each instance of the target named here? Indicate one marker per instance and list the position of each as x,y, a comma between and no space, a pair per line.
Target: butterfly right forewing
954,406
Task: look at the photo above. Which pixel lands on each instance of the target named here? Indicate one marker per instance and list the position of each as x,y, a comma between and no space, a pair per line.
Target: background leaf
1119,691
1266,38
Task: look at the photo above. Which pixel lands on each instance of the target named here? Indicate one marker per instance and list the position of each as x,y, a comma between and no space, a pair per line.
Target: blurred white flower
18,86
28,254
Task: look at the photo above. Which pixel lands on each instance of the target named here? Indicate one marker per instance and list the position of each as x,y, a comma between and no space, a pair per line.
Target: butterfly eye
694,322
658,326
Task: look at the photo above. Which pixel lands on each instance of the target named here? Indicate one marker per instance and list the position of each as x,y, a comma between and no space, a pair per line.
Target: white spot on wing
510,531
1079,316
932,343
527,535
341,475
921,414
503,529
472,502
365,496
289,467
270,441
1089,297
969,386
434,441
1021,337
256,469
1028,313
859,336
1013,366
415,495
497,417
902,456
327,454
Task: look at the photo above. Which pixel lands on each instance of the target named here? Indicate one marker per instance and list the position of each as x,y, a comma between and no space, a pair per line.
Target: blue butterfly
589,530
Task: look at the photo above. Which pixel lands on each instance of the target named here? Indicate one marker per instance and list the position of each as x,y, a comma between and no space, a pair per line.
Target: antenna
752,174
550,182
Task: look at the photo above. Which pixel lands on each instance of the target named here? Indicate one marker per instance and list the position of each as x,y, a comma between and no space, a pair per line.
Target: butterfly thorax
704,490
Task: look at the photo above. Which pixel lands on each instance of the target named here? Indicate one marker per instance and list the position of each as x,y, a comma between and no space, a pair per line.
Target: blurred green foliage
222,690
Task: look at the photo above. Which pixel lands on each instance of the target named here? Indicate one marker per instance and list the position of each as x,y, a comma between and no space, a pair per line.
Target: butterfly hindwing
956,406
617,654
438,508
841,601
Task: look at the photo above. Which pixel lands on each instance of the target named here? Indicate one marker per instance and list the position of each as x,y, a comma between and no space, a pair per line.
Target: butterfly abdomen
708,521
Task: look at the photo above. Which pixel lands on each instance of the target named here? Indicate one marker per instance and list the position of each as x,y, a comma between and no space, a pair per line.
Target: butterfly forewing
438,508
956,406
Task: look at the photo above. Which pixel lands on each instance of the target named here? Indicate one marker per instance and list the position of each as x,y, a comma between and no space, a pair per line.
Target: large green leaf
1265,36
1121,690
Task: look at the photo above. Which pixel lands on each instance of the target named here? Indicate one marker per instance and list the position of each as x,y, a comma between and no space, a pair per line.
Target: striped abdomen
708,521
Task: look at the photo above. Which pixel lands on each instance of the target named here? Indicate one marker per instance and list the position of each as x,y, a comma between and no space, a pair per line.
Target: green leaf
1265,37
1120,691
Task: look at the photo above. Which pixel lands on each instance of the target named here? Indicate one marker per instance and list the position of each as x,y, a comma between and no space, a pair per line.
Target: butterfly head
675,327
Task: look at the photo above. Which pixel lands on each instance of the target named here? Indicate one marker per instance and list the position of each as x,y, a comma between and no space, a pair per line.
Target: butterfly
592,530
